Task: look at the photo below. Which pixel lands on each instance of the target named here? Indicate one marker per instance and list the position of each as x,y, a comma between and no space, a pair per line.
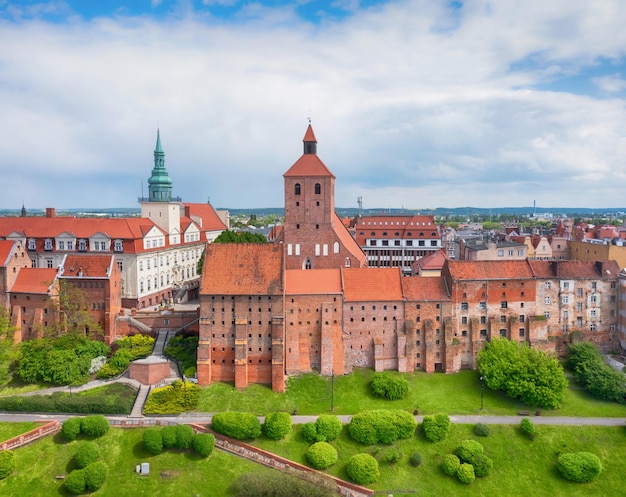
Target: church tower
159,206
314,237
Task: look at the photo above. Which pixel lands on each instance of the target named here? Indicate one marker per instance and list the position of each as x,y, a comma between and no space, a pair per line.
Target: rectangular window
409,243
579,322
579,306
521,332
82,245
48,245
504,304
547,314
61,245
433,243
579,292
119,246
521,318
385,243
565,299
546,300
464,306
593,313
32,244
503,318
482,305
483,320
464,320
372,243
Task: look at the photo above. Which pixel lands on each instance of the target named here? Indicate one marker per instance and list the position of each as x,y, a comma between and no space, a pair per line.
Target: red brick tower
314,236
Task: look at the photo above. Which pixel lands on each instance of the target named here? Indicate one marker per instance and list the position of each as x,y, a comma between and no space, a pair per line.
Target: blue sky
415,104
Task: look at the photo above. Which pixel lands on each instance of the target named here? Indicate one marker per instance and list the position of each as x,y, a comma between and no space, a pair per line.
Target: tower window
297,189
318,189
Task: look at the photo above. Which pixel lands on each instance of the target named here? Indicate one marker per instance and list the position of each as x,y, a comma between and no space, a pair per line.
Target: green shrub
94,426
190,372
321,455
238,425
95,475
392,456
468,449
71,428
7,463
450,464
203,444
279,484
482,465
87,453
465,473
580,467
184,436
309,433
416,459
528,428
389,387
363,469
153,441
75,482
277,425
381,425
168,434
436,426
482,430
173,399
328,426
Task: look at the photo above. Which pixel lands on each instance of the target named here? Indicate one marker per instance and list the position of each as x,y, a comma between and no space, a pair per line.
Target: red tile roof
312,281
573,269
308,165
34,280
414,227
94,266
424,288
348,241
309,136
432,261
204,216
242,269
489,270
6,248
370,284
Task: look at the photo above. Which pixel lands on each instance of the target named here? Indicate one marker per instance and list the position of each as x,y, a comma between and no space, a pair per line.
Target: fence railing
30,436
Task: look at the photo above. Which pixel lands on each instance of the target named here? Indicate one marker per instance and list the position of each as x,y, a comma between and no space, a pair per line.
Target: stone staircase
140,400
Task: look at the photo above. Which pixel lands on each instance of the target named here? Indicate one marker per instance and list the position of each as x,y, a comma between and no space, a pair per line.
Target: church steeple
159,184
310,142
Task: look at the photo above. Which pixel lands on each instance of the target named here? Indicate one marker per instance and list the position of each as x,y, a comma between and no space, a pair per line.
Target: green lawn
458,393
10,430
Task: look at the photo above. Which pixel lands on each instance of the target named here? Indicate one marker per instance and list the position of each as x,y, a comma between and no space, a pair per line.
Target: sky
415,104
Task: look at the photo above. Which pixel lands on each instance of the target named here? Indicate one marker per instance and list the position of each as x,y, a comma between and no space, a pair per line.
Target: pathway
140,400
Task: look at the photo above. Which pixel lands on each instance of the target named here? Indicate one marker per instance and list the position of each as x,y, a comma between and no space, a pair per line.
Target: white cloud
414,104
610,84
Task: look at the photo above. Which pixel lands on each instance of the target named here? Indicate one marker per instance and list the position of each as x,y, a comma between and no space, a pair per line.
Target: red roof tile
489,270
6,247
204,216
574,269
34,280
348,241
309,136
369,284
242,269
94,266
312,281
308,165
432,261
424,288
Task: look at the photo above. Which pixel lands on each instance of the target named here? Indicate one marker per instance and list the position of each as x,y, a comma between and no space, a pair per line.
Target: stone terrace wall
36,434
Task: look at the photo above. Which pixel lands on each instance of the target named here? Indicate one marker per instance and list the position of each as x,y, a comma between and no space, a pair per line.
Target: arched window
307,264
347,261
318,189
297,188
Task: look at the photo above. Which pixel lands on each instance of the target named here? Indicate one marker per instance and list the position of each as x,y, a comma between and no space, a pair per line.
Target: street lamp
482,392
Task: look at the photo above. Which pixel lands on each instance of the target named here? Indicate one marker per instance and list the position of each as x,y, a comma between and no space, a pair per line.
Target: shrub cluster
90,478
239,425
465,473
321,455
278,484
597,377
177,436
203,444
482,430
184,436
326,428
7,463
363,469
185,350
580,467
86,454
528,428
173,399
436,427
450,464
467,462
277,425
152,441
125,350
91,426
381,425
468,450
110,399
388,386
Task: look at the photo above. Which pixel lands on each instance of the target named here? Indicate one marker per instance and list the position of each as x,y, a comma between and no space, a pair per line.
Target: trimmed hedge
152,440
450,464
580,467
173,399
277,425
468,450
86,454
436,427
75,482
184,436
71,428
465,473
203,444
321,455
95,474
528,428
328,426
168,433
7,463
482,430
363,469
309,433
482,465
94,426
389,386
380,425
238,425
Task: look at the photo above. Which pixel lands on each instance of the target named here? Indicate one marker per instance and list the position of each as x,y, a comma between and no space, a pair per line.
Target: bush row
326,428
238,425
90,426
381,425
436,427
185,350
90,478
179,437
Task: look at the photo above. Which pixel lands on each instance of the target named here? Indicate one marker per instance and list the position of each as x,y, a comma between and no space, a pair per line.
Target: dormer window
48,244
32,244
119,247
82,245
297,188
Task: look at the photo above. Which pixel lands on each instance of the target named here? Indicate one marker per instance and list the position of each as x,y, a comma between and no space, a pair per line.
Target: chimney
50,212
187,211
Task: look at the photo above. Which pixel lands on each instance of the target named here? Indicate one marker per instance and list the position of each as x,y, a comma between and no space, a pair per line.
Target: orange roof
424,288
573,269
434,260
34,280
242,269
489,270
348,240
410,226
89,266
6,247
369,284
204,216
312,281
308,165
309,136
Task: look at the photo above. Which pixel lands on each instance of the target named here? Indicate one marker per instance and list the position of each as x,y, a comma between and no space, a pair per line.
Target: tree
8,350
71,306
530,375
228,236
600,379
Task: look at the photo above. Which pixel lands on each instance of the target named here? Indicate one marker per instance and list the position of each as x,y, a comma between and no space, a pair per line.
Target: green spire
159,184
